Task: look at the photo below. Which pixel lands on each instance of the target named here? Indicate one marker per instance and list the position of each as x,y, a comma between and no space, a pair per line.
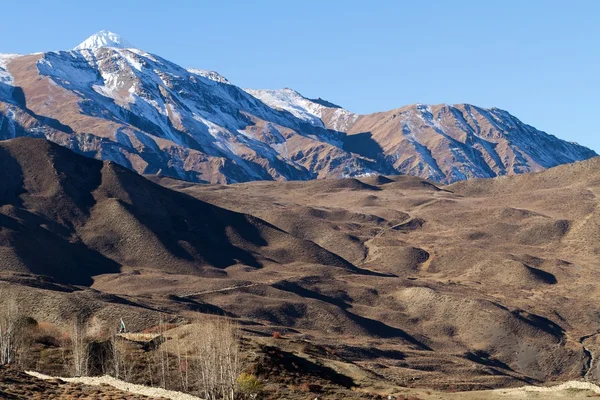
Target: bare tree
183,366
78,345
122,358
149,372
217,359
163,356
10,331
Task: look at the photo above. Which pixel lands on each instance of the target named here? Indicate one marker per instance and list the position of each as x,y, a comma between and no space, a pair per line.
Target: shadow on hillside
373,327
363,144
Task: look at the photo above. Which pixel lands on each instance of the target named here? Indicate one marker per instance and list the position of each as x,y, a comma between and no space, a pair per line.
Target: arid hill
388,280
499,271
71,218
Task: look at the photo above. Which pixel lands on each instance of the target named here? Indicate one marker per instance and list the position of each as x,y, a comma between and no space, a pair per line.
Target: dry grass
155,330
310,387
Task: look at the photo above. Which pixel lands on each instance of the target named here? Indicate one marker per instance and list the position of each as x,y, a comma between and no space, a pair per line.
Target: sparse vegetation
207,364
217,363
13,333
249,386
77,345
122,361
160,328
310,387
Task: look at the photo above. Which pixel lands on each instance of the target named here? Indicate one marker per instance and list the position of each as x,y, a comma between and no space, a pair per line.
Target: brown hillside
486,283
71,218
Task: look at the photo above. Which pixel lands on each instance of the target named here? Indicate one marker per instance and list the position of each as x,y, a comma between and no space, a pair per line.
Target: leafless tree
122,358
77,343
10,332
163,356
182,366
217,362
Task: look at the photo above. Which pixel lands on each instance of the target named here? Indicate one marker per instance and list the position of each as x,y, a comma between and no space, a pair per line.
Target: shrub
249,385
48,334
310,387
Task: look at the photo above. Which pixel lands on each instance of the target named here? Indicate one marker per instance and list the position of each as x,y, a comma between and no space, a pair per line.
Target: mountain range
109,100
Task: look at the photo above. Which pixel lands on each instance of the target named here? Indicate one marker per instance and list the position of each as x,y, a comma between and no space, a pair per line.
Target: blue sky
540,60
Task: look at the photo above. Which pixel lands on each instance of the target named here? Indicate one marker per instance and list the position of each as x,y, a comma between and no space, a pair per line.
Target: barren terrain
372,285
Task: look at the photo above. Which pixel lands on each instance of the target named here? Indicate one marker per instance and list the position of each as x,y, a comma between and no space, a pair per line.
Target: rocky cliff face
108,100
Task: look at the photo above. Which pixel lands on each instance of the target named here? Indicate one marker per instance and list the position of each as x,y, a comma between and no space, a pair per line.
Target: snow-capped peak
104,39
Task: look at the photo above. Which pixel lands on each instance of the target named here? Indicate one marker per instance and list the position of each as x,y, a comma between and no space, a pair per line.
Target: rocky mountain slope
108,100
443,143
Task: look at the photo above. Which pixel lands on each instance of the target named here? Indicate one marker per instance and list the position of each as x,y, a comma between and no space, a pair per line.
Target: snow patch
5,76
212,75
291,101
305,109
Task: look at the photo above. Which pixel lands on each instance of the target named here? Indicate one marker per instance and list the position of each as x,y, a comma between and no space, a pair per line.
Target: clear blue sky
540,60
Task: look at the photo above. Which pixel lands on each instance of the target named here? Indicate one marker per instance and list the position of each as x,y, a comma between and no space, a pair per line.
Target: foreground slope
108,100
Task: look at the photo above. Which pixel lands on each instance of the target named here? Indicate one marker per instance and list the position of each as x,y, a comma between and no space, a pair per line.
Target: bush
310,387
48,334
249,386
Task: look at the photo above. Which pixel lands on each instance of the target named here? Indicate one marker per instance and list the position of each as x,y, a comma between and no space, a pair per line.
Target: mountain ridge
155,117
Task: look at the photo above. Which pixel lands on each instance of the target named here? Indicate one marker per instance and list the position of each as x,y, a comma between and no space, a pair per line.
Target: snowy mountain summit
104,39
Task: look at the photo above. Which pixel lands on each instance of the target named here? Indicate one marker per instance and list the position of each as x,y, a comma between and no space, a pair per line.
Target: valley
390,281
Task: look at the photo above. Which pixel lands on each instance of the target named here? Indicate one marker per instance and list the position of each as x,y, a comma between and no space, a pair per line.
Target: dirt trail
227,289
121,385
570,390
